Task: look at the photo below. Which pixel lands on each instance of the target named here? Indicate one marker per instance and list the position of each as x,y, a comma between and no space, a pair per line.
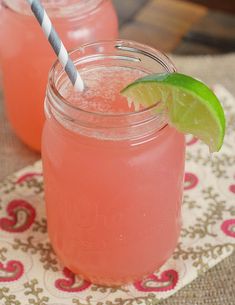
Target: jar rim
126,45
75,9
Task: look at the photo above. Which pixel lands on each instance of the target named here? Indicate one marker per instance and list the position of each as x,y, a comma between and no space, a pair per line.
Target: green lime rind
192,106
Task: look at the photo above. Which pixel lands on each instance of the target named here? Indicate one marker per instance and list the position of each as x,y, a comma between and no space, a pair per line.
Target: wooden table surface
180,27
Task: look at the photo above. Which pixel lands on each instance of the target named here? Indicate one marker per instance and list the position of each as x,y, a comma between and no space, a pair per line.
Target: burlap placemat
217,286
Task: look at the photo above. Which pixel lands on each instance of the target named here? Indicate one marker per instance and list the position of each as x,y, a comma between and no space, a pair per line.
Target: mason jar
113,173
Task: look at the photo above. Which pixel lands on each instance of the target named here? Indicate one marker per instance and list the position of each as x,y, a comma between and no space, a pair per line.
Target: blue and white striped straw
56,44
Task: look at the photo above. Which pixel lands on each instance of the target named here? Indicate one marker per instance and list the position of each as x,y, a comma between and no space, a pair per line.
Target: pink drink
26,56
113,177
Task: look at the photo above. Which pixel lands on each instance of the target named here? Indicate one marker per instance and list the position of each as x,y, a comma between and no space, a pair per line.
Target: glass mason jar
26,56
113,174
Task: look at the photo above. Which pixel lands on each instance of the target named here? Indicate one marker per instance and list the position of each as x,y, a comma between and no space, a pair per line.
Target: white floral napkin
31,274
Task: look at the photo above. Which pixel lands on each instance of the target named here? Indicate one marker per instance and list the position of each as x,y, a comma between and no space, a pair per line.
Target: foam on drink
102,92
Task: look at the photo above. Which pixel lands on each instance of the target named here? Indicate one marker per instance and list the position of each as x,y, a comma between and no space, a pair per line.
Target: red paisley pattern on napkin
27,176
192,140
21,216
228,227
166,281
70,284
11,271
232,188
190,181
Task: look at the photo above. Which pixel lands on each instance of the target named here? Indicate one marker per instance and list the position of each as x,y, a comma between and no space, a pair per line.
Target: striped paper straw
56,44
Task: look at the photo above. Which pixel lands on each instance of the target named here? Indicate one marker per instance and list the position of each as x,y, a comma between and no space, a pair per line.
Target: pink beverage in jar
26,56
113,175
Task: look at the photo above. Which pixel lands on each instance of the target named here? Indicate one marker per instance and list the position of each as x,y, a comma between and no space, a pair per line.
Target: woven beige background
217,286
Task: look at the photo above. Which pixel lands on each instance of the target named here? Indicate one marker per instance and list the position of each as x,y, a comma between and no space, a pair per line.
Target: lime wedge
192,107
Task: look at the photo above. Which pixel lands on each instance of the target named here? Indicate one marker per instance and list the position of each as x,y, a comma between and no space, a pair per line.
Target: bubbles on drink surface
102,89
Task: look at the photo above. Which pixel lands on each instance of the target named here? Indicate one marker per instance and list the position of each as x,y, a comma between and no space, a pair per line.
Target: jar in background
26,56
